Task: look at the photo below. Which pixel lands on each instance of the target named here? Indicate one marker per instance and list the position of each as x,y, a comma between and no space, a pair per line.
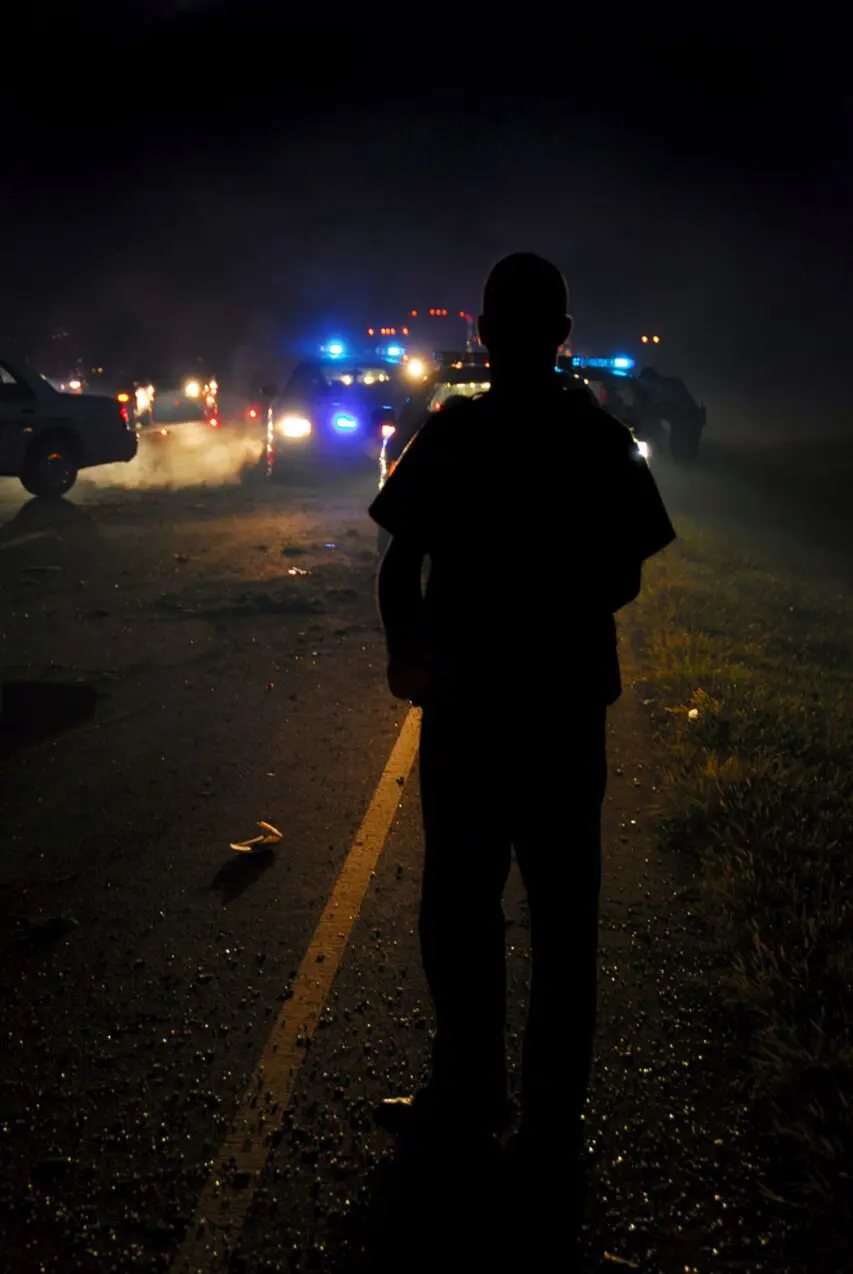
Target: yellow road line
227,1196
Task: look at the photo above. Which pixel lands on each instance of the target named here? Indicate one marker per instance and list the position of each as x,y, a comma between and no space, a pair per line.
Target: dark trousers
492,780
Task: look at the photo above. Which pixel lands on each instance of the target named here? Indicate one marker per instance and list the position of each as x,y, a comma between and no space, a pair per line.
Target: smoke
188,456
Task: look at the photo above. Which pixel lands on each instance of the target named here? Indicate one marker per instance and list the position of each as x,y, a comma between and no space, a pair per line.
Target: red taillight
253,415
214,423
124,412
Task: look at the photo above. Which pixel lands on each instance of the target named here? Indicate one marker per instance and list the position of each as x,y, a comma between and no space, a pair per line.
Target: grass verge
750,670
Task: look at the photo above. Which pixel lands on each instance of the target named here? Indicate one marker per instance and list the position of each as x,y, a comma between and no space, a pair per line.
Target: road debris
257,844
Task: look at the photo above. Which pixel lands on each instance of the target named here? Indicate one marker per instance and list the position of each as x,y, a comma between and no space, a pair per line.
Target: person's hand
408,677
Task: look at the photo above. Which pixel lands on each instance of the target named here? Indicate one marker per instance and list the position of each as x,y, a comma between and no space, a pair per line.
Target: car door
18,418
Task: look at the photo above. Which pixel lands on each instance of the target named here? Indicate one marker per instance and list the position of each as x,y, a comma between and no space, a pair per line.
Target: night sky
213,178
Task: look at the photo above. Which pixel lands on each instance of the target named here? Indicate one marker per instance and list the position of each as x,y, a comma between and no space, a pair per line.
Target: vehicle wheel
50,467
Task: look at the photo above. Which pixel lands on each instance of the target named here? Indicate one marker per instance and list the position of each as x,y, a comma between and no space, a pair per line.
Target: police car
463,374
660,410
336,409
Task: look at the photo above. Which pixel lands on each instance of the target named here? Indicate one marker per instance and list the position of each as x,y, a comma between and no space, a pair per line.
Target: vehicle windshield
448,389
347,376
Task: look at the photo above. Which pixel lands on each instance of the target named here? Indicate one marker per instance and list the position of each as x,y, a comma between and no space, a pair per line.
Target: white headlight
192,389
295,426
644,449
415,368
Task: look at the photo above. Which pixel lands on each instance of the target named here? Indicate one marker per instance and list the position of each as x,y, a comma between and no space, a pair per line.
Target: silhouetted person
536,513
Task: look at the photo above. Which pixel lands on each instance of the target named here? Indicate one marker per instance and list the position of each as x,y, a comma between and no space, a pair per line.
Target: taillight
124,412
214,423
253,414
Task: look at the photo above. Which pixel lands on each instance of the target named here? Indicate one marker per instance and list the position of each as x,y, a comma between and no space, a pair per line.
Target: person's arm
400,597
625,585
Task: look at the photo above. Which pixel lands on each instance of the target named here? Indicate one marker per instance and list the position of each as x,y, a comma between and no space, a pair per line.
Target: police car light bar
619,364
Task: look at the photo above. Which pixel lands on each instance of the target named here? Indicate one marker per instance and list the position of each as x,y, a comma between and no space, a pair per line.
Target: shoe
428,1114
548,1185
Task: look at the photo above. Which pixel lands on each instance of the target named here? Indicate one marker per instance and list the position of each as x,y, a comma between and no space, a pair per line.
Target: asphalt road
193,1038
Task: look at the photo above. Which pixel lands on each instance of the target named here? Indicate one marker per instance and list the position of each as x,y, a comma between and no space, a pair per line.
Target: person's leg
466,862
557,839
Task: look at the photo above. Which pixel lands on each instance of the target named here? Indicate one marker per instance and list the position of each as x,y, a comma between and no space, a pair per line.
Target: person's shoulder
446,421
603,426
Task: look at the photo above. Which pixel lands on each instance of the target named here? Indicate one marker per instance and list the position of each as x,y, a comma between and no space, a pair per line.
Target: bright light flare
75,385
192,389
295,426
388,430
416,368
343,420
644,449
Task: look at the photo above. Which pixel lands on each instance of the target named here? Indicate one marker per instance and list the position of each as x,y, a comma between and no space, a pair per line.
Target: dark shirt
529,511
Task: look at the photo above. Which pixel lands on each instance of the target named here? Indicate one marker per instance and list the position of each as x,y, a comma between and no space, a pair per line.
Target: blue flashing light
394,351
335,349
619,364
344,421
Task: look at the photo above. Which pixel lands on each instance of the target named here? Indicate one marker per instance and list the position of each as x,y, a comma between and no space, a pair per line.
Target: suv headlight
295,426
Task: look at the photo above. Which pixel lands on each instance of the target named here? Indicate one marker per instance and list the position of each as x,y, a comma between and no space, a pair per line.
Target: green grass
750,669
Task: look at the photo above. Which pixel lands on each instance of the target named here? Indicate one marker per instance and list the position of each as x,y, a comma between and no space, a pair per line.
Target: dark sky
212,176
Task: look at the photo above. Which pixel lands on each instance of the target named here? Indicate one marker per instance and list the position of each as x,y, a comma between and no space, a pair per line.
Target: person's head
524,319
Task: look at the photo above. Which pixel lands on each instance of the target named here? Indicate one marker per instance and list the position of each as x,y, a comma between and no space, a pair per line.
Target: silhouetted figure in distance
536,513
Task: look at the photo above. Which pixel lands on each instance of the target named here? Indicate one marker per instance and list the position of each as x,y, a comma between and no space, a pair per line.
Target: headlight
192,389
295,426
644,449
415,368
388,430
143,399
